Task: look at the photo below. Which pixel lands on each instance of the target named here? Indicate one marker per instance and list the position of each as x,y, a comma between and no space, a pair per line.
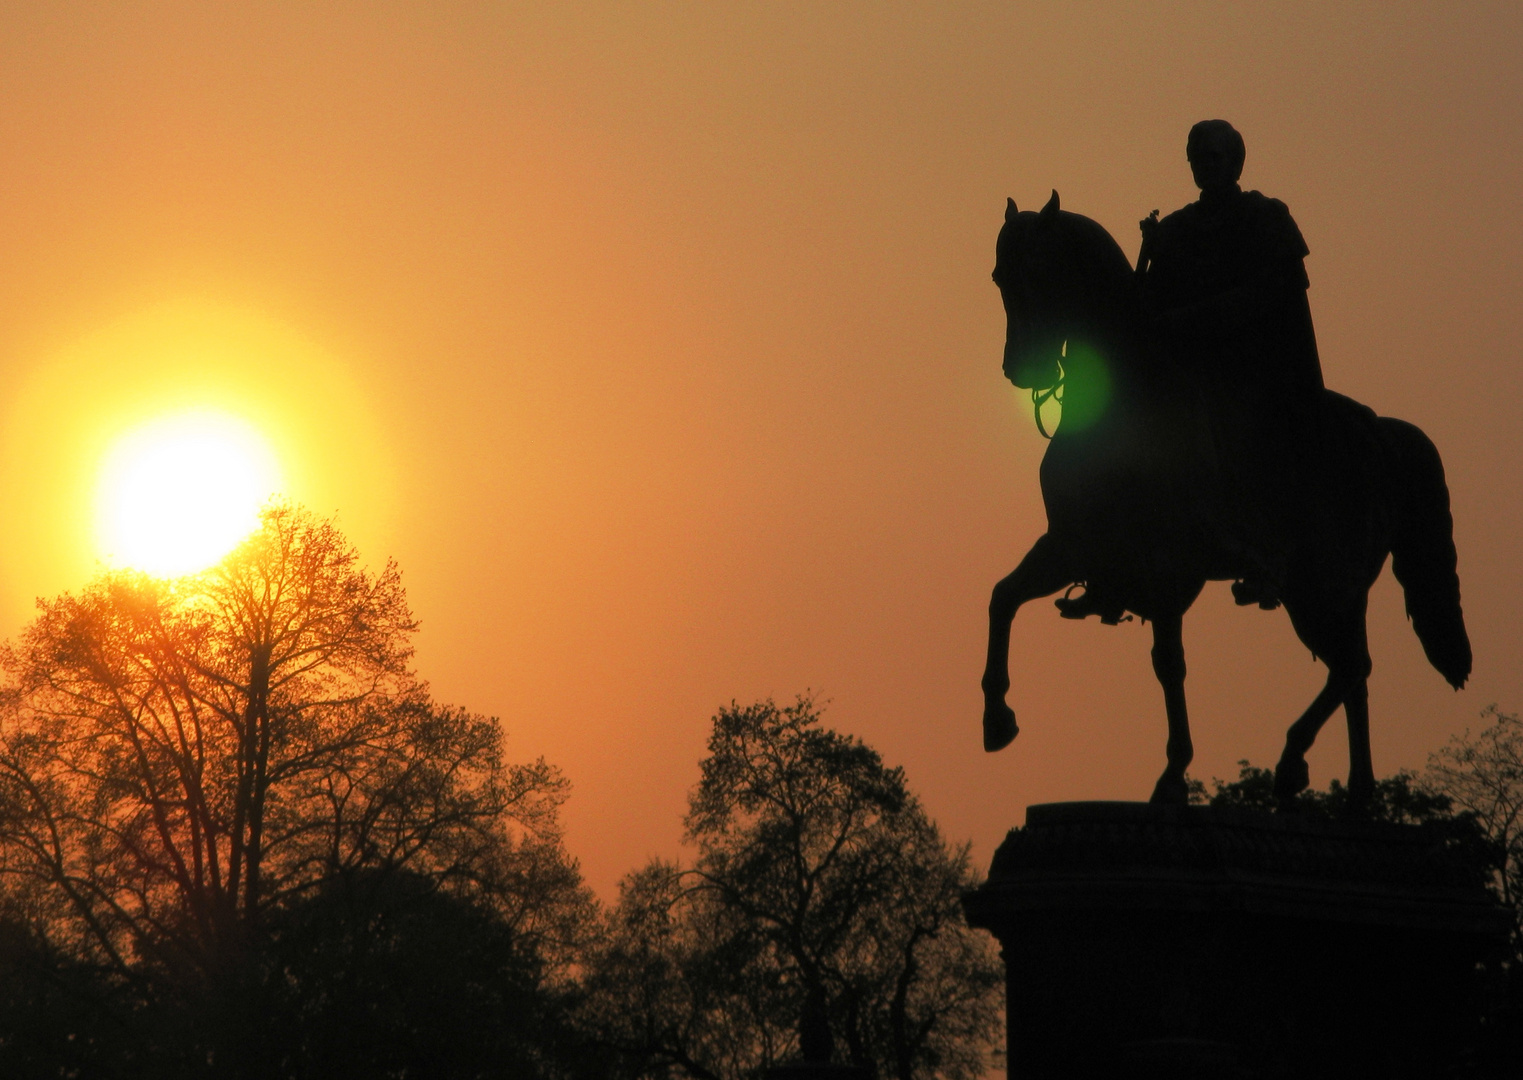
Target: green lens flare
1086,389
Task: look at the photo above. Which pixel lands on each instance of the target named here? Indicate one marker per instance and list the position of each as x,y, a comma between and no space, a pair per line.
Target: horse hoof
1361,793
1291,777
1000,729
1171,790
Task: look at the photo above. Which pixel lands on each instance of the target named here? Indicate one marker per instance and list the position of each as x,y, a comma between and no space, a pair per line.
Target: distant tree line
239,838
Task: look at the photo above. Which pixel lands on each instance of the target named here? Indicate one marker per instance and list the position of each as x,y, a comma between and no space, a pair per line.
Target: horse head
1063,280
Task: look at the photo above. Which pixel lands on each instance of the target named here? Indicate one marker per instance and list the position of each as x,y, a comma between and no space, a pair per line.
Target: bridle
1052,393
1042,397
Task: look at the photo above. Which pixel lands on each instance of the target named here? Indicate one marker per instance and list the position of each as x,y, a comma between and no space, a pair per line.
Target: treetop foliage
1402,798
769,763
1482,774
192,770
821,917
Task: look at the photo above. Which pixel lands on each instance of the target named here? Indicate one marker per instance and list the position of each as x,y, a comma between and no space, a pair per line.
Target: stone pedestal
1148,941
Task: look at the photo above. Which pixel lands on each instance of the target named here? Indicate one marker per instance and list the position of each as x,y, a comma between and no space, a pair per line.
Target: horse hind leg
1169,666
1361,769
1347,655
1041,573
1292,775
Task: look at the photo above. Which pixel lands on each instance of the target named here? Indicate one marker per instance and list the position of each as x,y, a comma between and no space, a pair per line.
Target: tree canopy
192,771
1482,774
820,917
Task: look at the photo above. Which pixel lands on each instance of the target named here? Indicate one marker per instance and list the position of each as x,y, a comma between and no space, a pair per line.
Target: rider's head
1216,153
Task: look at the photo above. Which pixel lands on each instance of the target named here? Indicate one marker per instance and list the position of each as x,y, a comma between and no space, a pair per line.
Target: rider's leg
1169,666
1271,476
1041,573
1264,552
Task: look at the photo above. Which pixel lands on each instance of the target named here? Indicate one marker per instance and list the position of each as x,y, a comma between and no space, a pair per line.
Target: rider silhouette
1224,285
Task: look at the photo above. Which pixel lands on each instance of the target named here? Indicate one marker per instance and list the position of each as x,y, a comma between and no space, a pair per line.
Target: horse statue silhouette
1134,493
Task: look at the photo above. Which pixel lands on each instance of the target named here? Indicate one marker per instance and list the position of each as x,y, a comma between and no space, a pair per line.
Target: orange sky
657,342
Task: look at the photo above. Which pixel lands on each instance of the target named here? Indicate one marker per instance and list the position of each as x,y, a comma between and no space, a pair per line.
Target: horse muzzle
1032,369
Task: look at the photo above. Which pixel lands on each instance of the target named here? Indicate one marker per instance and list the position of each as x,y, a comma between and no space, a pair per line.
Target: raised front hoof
1171,790
1291,777
1000,729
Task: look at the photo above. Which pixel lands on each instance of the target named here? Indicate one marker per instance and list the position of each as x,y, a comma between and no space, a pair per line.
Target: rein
1042,397
1052,393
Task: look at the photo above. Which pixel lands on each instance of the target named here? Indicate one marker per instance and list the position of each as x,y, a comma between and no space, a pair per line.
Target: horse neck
1111,328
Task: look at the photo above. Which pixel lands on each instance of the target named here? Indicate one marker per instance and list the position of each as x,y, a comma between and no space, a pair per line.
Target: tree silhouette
383,973
186,766
1400,799
819,879
1483,774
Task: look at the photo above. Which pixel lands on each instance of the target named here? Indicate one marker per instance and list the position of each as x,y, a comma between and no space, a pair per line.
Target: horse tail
1422,548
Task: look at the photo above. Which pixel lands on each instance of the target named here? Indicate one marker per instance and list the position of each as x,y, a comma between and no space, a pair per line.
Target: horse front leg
1169,666
1041,573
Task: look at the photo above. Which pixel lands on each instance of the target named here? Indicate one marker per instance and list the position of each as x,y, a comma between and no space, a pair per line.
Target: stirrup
1261,592
1086,604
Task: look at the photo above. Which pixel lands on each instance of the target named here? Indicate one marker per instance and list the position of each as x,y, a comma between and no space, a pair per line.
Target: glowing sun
177,494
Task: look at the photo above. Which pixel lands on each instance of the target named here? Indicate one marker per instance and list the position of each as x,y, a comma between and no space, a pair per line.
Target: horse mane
1105,266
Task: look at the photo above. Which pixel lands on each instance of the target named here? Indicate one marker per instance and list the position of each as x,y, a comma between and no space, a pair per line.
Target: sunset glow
657,345
177,494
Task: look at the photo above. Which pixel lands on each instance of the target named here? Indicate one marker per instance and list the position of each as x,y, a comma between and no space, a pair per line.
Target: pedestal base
1181,942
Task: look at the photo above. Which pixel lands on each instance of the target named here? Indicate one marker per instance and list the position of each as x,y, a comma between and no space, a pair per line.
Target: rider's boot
1263,591
1088,603
1263,583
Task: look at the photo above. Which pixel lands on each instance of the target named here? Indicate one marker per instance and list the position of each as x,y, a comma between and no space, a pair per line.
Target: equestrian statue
1198,443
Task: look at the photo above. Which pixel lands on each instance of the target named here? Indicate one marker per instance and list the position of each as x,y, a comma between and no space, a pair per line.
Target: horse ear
1050,211
1010,210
